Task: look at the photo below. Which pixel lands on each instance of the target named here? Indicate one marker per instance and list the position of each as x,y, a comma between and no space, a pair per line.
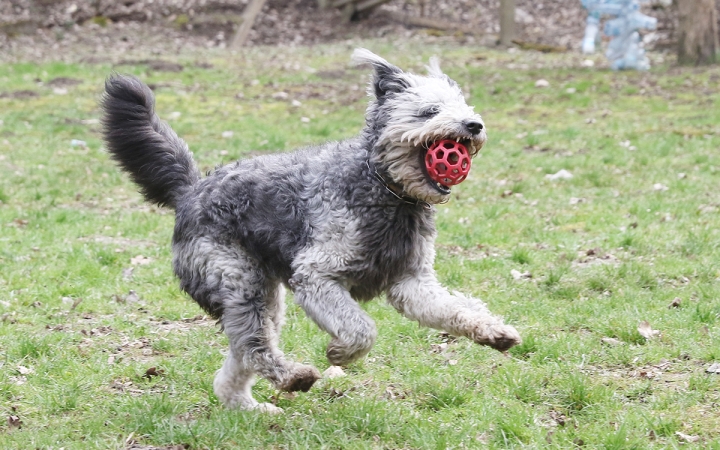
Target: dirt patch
183,325
119,242
19,94
594,257
64,82
154,64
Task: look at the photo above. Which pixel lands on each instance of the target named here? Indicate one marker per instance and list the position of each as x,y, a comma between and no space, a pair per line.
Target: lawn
612,275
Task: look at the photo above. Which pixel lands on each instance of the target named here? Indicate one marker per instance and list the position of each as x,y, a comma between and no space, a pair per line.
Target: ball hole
448,144
453,157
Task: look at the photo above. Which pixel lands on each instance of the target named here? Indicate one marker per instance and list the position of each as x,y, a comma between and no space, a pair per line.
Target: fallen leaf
127,274
558,418
20,223
646,330
686,437
334,372
393,394
660,187
714,368
610,341
14,422
517,275
153,372
140,260
576,200
675,303
132,297
541,83
24,370
439,348
560,175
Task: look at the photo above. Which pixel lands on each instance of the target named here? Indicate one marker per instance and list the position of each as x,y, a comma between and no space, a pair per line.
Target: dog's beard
404,161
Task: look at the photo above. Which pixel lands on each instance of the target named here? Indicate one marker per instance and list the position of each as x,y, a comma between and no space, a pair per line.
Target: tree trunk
248,19
698,40
507,22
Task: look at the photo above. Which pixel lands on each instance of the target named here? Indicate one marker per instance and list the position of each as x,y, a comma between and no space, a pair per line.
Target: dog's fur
338,223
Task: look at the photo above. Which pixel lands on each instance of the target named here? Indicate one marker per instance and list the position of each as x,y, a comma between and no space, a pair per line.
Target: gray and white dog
338,223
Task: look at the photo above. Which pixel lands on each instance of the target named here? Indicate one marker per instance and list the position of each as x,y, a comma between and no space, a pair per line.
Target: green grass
637,226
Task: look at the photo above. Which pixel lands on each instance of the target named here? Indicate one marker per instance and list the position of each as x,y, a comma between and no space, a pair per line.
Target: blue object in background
624,50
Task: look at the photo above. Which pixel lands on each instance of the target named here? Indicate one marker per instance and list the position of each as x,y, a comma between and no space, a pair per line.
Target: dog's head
408,115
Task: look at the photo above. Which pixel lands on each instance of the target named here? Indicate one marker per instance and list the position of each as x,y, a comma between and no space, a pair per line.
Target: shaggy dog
338,223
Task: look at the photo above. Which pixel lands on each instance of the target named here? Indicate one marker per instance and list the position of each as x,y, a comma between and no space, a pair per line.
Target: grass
637,226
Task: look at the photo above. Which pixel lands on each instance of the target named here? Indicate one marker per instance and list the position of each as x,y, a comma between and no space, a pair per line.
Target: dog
339,223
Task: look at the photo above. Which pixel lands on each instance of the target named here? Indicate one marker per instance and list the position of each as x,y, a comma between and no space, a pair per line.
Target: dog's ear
435,71
388,78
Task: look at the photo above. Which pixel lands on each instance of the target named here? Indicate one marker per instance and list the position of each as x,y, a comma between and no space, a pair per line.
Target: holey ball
447,162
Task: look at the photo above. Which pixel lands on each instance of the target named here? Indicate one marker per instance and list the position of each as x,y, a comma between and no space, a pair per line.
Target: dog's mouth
438,185
441,188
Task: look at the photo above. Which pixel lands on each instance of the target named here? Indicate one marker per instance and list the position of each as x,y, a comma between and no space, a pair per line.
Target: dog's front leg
332,308
422,298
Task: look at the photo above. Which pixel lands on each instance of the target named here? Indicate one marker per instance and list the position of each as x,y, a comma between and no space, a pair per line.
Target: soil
64,29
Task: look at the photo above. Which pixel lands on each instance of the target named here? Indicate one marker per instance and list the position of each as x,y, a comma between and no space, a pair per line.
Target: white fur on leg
233,384
421,297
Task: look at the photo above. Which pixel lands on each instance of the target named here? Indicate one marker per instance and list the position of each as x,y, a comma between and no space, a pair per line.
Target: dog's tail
146,147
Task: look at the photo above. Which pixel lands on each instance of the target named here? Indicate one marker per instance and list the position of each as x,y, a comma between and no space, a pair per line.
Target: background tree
507,22
698,37
248,20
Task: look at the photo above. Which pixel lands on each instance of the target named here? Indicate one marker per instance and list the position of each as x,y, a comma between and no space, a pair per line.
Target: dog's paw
300,378
498,336
340,353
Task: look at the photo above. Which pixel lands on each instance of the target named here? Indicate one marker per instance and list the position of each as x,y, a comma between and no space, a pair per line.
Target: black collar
394,188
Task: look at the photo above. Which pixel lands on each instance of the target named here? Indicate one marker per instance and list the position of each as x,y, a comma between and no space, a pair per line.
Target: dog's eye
427,113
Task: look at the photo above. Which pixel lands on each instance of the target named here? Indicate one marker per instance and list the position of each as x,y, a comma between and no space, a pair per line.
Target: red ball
447,162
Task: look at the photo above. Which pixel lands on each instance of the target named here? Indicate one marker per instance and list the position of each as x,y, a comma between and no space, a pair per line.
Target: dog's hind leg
252,323
250,305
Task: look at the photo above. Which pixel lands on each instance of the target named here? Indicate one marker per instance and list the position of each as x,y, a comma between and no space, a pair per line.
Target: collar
394,188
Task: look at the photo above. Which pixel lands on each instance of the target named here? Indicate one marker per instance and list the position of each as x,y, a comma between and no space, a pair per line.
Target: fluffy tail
147,148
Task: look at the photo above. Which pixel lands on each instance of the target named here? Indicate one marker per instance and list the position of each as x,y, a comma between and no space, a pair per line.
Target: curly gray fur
338,223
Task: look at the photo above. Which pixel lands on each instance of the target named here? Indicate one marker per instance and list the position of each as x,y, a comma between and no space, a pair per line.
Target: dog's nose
473,126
